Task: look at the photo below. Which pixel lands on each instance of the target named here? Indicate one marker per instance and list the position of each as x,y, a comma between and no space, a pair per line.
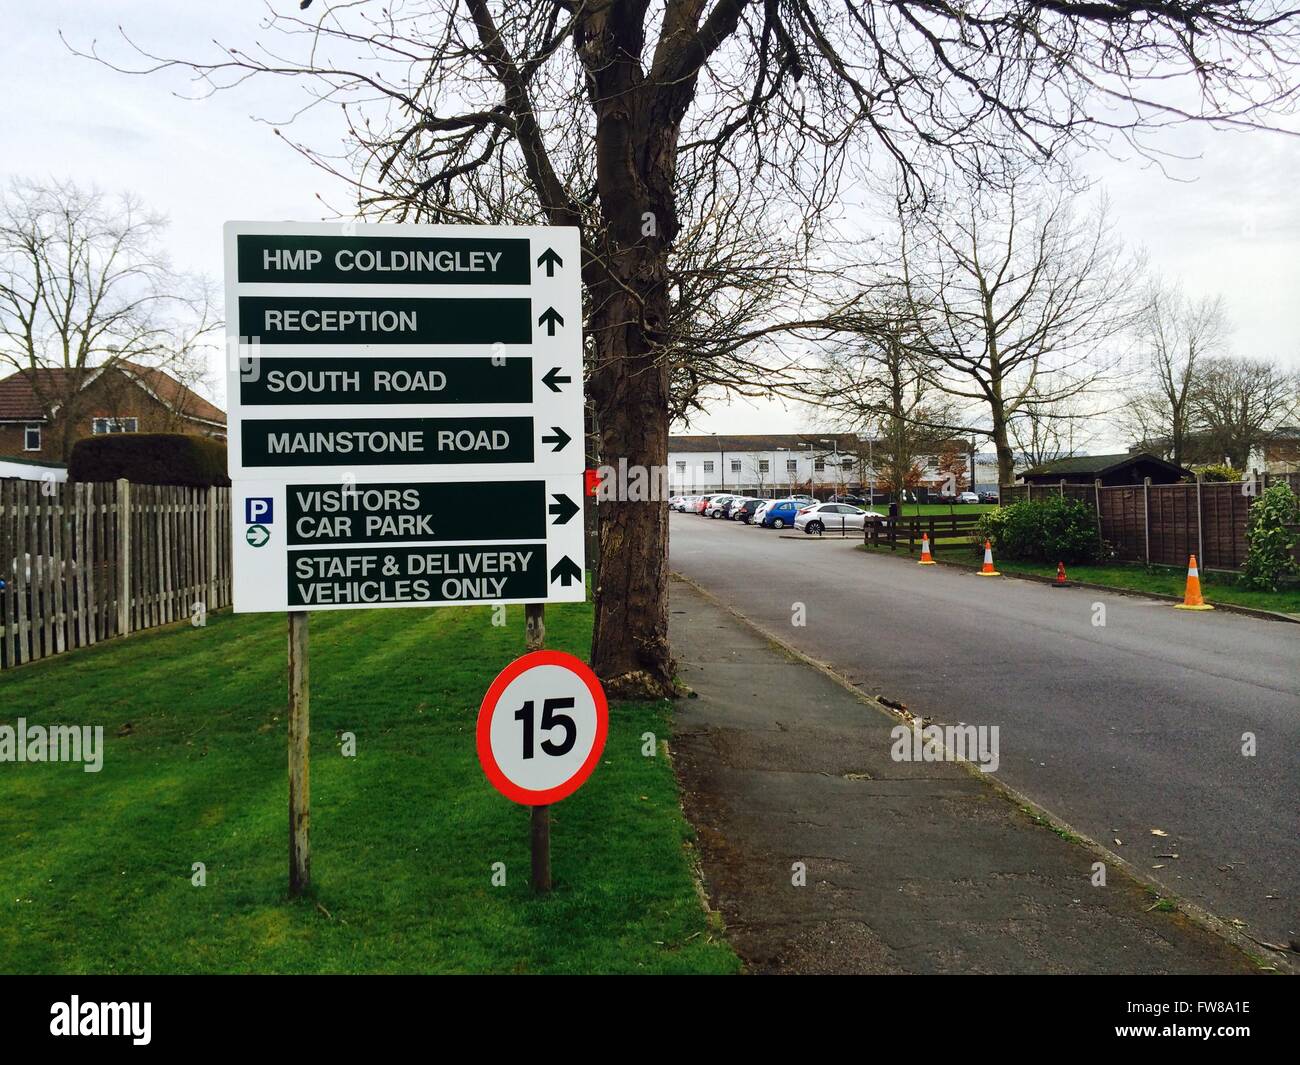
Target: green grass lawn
912,510
1163,580
95,869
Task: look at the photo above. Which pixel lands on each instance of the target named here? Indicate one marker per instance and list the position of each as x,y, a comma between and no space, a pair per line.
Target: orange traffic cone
1192,595
988,570
926,560
1060,581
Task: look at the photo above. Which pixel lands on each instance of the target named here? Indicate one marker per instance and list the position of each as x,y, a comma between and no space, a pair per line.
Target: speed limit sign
541,727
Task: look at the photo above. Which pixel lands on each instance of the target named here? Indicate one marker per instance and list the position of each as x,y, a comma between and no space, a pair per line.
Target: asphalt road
1120,729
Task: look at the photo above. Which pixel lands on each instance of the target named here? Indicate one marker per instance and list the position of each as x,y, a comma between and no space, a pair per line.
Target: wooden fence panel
1170,521
66,582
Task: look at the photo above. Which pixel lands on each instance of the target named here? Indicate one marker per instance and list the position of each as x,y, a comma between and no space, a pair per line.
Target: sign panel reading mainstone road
406,414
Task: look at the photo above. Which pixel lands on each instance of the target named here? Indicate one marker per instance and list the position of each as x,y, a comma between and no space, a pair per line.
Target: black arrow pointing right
565,571
559,439
563,508
550,260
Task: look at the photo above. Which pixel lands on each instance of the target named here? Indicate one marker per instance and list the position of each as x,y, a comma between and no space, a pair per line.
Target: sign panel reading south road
406,422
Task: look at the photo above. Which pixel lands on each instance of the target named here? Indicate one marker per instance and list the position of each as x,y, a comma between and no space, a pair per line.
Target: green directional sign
287,442
393,512
413,575
308,381
376,260
257,535
390,320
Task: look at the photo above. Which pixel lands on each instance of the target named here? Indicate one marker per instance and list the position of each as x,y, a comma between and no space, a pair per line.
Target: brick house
1280,452
122,398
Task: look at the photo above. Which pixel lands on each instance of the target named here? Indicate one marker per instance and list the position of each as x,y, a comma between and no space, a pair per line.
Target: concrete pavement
909,867
1131,729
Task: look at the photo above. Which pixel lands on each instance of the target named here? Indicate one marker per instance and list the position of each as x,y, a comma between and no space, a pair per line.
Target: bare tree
84,287
1013,297
1043,435
877,385
625,118
1175,335
1236,403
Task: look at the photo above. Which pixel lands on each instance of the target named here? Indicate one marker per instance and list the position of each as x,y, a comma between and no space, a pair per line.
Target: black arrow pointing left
552,379
563,508
559,438
565,571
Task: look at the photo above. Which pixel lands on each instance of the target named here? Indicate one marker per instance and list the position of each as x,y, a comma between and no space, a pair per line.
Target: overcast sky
1231,227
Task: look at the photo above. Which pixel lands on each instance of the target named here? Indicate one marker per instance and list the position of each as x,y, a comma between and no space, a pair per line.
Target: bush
1269,542
1217,473
1043,530
150,458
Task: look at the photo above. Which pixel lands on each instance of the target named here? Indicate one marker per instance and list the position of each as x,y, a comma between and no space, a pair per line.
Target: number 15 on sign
542,728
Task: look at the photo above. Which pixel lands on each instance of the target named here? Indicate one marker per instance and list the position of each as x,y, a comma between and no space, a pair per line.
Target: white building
816,463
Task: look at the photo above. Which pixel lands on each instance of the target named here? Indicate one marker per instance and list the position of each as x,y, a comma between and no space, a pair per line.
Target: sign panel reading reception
406,414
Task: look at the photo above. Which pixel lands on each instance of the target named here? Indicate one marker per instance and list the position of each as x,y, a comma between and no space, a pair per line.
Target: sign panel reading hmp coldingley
406,414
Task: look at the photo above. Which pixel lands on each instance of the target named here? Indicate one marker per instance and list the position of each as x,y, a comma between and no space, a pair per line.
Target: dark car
988,497
857,501
745,512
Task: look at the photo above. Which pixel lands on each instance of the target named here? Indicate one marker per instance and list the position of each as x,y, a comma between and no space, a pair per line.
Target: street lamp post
835,449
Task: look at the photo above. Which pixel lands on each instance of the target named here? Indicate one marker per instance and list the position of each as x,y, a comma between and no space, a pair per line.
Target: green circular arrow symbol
257,535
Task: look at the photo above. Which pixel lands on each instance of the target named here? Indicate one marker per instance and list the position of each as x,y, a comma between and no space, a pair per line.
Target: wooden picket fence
1164,524
85,562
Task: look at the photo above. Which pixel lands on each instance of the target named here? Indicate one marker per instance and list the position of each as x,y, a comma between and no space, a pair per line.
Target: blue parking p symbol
257,510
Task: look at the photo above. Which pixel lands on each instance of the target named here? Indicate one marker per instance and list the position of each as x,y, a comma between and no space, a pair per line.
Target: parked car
733,506
833,516
701,502
988,497
716,507
779,513
746,512
855,501
968,497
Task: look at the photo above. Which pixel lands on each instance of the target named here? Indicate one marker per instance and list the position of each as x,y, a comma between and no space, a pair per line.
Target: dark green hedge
150,458
1045,530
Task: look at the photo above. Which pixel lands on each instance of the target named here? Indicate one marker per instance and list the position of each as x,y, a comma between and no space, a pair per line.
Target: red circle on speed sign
541,727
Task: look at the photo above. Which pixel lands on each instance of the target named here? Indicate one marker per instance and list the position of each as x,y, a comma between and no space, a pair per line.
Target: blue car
780,515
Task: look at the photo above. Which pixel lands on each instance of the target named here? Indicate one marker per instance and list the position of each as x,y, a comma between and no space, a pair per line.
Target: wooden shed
1111,470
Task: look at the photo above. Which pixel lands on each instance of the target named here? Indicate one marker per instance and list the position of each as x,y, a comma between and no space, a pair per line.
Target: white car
819,517
717,505
968,497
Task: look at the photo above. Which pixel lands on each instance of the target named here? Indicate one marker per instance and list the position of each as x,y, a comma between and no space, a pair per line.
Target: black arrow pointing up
565,571
563,508
553,380
550,318
559,439
550,260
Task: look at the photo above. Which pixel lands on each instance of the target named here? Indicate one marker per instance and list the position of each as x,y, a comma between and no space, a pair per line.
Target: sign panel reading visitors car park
406,414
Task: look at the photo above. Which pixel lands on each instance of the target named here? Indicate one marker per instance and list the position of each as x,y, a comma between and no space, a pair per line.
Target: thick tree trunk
629,386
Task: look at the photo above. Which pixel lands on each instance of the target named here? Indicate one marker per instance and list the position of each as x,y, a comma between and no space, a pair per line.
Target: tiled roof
19,402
